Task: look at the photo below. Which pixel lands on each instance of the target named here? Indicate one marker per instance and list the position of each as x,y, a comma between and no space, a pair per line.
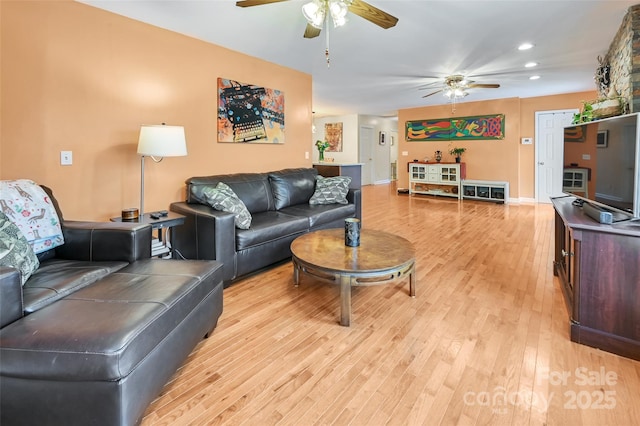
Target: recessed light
525,46
534,77
531,64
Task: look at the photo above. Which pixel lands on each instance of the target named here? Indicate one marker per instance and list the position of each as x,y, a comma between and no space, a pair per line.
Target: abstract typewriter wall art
249,114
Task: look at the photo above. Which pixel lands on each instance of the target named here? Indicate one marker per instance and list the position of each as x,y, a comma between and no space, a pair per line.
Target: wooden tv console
599,270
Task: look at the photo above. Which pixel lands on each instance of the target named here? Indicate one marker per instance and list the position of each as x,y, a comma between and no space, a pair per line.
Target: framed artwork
249,114
333,135
482,127
602,140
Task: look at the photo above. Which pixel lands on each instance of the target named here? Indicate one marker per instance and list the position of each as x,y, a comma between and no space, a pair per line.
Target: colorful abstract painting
458,128
249,114
333,135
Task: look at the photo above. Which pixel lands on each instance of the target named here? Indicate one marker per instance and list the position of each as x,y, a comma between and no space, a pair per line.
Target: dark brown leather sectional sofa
100,327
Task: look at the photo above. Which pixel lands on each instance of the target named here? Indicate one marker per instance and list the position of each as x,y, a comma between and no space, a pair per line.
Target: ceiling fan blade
432,93
311,31
372,14
484,86
249,3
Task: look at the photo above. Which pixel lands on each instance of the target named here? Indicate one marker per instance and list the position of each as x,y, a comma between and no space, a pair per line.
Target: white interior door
365,153
548,152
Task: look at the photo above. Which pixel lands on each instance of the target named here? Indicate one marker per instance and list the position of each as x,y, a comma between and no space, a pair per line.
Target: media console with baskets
486,190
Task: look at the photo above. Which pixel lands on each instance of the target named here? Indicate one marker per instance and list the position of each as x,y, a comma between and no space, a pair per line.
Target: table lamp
158,141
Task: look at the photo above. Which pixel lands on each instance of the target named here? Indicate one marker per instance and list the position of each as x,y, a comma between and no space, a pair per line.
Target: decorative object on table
483,127
333,136
130,214
457,152
322,146
352,232
438,155
249,114
159,140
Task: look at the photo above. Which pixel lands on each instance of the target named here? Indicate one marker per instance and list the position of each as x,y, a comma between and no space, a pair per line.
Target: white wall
349,152
383,155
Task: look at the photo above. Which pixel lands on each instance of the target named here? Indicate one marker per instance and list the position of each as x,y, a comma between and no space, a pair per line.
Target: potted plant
321,145
457,152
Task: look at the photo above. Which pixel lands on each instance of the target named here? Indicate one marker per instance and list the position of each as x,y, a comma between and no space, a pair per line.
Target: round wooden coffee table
380,259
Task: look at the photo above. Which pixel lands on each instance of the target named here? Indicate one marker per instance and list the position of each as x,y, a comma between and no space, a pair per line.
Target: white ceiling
376,71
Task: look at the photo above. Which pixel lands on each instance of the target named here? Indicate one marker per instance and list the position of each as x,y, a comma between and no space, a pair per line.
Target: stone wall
624,59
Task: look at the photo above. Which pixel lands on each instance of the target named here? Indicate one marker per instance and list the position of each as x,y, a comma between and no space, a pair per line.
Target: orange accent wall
77,78
499,160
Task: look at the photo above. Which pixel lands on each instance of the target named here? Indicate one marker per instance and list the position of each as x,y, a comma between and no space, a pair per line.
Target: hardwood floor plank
486,340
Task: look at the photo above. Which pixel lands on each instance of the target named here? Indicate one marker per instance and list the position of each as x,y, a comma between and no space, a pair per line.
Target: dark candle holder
352,232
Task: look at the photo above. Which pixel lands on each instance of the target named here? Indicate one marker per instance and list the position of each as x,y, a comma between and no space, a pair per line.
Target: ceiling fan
455,87
317,12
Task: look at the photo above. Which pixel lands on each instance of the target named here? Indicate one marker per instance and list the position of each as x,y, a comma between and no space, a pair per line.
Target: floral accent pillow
331,190
224,199
15,250
26,204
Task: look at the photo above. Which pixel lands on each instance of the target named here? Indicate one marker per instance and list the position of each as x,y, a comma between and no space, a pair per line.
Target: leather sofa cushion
320,214
57,278
252,188
101,332
292,186
270,226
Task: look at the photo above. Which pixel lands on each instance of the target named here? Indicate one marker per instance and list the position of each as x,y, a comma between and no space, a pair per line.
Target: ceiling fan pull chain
326,50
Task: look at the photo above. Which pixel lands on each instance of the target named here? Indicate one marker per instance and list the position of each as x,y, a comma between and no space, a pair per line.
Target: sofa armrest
355,196
207,234
11,304
105,241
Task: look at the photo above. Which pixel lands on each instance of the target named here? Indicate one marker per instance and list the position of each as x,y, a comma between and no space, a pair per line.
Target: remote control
162,212
154,216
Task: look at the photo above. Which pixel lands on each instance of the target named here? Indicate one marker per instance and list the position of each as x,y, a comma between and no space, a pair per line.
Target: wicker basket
606,108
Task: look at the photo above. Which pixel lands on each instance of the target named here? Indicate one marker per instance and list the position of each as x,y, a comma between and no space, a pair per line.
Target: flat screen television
602,165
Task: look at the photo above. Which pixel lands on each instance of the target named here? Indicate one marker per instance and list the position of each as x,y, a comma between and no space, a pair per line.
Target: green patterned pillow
224,199
331,190
15,250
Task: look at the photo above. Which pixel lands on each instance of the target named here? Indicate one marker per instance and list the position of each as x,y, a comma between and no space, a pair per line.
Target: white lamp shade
159,140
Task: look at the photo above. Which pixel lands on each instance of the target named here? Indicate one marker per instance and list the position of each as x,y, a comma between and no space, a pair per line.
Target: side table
159,246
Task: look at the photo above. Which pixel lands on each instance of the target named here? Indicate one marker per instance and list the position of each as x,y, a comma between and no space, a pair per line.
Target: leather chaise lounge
279,205
100,327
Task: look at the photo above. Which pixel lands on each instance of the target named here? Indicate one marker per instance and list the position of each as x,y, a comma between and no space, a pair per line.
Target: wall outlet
527,141
306,155
66,158
405,153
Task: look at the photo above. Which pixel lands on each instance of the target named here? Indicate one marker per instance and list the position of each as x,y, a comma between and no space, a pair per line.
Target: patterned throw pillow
15,250
224,199
331,190
32,211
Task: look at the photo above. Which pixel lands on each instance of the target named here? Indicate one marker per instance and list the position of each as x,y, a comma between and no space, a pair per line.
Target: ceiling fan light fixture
314,13
338,10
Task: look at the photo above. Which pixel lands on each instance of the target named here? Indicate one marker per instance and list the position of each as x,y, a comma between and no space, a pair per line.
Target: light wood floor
484,342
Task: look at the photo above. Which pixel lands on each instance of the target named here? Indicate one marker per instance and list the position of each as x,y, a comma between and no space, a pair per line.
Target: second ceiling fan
455,87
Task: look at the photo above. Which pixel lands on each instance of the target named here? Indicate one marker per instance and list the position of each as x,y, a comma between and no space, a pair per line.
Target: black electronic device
162,213
154,216
602,166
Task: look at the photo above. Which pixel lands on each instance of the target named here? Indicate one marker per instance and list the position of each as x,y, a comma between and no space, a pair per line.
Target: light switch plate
66,158
527,141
